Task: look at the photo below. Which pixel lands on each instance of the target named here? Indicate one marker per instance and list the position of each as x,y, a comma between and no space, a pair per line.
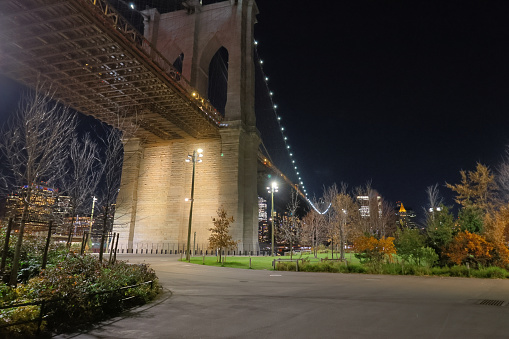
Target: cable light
284,137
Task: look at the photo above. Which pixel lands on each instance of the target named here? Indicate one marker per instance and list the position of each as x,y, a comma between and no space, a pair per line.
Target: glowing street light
194,159
89,242
272,189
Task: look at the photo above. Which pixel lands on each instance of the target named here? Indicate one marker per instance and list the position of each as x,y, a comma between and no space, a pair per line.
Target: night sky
403,93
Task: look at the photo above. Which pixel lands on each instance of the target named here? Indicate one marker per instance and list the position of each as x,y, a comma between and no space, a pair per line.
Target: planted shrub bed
80,289
396,269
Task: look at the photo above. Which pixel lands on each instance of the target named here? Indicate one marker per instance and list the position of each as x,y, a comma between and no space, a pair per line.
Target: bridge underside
98,65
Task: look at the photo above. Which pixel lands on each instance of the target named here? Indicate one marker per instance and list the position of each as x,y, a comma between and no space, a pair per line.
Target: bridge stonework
152,213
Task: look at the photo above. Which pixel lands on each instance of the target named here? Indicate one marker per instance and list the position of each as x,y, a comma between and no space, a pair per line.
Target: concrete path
211,302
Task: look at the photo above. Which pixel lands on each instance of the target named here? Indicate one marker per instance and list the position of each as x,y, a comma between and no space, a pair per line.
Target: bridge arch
217,89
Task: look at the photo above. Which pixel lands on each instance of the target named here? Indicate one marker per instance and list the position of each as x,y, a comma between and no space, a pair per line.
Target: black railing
43,305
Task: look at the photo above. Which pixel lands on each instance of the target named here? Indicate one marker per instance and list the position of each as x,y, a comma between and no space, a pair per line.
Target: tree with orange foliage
496,228
374,250
470,248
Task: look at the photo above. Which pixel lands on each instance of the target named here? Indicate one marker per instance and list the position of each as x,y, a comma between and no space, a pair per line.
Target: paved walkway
211,302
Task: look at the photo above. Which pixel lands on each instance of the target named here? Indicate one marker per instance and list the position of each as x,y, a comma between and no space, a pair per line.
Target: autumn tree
469,248
374,250
477,188
34,146
496,231
220,238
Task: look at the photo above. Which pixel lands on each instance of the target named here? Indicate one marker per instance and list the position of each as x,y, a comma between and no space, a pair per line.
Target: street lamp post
273,188
89,242
194,159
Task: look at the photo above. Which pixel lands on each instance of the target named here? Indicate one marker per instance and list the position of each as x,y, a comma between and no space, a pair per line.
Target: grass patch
311,264
265,263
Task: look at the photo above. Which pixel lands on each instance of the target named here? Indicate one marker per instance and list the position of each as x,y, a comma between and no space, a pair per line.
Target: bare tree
346,210
313,229
83,177
110,185
387,219
35,146
332,217
116,138
289,229
434,201
502,177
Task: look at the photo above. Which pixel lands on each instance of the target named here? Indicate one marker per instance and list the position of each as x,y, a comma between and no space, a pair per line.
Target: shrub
374,251
469,248
490,272
459,271
75,284
356,268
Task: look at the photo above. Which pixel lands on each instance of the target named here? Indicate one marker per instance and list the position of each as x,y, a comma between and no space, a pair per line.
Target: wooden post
83,242
111,247
116,246
69,238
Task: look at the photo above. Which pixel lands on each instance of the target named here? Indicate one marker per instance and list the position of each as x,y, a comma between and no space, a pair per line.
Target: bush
356,268
490,272
76,285
459,271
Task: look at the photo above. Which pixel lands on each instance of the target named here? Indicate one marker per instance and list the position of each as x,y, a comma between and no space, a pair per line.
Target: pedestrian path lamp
197,154
272,189
89,242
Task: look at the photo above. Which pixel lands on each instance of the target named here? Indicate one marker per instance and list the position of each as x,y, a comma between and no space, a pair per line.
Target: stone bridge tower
152,211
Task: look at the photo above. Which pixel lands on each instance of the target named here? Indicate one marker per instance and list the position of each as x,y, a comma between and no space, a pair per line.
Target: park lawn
262,262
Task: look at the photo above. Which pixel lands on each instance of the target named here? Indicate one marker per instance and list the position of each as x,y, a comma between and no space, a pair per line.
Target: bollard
249,262
180,255
297,265
203,262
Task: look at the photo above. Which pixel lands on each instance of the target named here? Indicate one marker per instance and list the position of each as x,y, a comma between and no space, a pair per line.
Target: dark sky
403,93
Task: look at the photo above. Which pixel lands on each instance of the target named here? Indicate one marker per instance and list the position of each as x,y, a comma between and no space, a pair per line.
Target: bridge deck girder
99,65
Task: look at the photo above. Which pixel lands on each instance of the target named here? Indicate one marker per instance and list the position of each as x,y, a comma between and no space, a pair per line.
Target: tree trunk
6,245
46,248
17,252
342,243
291,250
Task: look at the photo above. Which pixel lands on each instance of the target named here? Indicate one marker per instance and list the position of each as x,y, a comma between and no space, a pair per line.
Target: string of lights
282,131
